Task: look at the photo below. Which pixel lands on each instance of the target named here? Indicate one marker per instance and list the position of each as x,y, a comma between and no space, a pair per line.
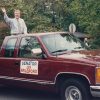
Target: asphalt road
7,93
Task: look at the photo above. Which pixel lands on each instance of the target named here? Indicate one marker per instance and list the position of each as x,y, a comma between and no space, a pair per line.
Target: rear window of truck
10,46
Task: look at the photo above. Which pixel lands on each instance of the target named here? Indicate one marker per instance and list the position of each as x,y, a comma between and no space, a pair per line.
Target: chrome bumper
95,91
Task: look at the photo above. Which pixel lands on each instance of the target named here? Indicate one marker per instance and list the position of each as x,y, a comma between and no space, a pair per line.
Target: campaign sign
29,67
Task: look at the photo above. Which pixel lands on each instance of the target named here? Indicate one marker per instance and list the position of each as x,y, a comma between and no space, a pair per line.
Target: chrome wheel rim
73,93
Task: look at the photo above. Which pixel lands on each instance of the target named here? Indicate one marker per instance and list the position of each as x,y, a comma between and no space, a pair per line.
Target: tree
56,15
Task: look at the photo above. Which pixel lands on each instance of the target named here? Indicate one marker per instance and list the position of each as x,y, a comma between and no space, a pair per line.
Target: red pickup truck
56,61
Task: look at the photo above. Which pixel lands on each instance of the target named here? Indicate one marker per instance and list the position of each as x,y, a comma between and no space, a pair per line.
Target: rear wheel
73,89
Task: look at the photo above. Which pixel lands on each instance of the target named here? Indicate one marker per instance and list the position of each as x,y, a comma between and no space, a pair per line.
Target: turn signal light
98,75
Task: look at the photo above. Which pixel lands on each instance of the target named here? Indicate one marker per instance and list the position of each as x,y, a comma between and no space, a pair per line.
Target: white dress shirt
17,26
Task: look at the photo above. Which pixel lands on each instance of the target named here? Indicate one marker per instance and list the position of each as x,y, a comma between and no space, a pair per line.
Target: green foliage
56,15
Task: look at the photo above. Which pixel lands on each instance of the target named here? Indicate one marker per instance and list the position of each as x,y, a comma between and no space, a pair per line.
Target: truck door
7,68
31,67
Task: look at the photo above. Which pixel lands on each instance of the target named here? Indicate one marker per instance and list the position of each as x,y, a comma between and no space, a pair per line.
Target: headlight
98,75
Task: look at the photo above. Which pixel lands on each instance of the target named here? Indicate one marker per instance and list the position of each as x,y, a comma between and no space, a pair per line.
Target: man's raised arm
6,18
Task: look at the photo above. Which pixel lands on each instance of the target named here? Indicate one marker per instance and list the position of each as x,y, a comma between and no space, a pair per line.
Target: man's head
17,13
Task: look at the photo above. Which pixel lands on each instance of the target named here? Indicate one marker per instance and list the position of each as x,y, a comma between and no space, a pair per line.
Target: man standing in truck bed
17,24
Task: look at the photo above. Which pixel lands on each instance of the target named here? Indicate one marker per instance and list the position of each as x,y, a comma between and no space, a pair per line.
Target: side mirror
36,51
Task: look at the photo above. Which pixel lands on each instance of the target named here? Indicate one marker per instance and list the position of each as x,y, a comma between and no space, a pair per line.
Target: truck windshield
59,43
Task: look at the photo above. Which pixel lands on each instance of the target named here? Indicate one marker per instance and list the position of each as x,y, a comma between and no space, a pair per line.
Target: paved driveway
25,94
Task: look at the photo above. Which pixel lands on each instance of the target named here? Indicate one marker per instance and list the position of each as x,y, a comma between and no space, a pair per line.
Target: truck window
59,43
9,49
26,46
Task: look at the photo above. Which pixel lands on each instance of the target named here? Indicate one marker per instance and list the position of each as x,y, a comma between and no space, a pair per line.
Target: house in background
83,37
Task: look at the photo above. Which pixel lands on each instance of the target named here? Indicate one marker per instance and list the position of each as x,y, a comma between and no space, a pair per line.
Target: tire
73,89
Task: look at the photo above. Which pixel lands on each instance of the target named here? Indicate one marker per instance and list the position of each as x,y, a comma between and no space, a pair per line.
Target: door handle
17,63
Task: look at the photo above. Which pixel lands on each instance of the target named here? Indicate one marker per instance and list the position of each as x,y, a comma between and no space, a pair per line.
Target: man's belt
17,33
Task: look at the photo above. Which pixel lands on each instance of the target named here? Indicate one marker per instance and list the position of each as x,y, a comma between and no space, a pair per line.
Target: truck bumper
95,91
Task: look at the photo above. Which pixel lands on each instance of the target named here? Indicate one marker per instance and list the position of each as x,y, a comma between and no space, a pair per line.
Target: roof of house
80,35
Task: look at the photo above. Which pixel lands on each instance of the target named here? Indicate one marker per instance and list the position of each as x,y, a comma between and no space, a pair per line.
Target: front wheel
74,90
